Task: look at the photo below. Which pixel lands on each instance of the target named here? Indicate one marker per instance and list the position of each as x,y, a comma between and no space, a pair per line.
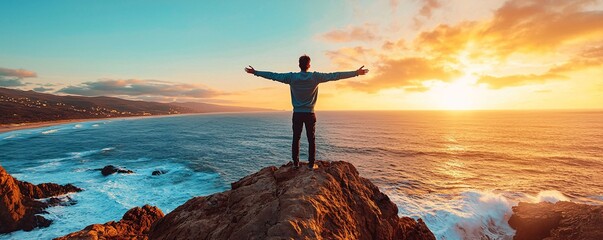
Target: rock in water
561,220
135,224
331,202
158,172
110,169
18,207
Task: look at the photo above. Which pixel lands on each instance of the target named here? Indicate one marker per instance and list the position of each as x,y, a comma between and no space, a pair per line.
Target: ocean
461,171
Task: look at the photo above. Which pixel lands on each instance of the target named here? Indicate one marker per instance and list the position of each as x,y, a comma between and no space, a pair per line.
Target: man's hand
250,70
361,71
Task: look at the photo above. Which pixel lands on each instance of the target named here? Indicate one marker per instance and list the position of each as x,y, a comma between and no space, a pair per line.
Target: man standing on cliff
304,93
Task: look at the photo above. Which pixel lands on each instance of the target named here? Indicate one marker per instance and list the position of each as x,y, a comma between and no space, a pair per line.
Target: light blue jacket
304,85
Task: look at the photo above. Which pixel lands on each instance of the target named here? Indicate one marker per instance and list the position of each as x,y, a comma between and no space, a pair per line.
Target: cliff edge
18,204
331,202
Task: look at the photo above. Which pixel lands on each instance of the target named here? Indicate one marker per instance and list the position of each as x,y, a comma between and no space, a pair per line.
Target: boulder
135,224
557,221
110,169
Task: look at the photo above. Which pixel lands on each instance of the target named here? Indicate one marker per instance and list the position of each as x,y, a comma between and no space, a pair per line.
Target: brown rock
135,224
331,202
562,220
18,207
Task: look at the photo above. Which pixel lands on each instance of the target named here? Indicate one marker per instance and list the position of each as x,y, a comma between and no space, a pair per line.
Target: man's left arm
326,77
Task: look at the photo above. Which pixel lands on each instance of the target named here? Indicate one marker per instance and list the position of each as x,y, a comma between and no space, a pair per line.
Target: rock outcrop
135,224
561,220
331,202
18,207
110,169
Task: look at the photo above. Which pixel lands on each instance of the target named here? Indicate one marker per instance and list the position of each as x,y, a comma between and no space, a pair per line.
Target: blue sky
152,39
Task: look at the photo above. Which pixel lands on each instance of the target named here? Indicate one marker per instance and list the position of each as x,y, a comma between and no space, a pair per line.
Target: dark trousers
299,119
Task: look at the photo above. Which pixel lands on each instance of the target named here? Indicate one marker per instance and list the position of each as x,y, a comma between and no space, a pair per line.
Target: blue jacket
304,85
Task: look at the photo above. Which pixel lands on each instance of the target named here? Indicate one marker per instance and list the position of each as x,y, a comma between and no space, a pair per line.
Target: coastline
22,126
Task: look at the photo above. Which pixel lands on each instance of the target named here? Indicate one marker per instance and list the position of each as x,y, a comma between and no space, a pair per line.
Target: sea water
460,171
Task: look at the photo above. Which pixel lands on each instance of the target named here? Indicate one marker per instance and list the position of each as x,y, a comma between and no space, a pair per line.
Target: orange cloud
14,77
407,73
19,73
528,27
592,57
518,80
364,33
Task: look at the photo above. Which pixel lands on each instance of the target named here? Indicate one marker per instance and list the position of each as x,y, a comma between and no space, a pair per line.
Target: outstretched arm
279,77
325,77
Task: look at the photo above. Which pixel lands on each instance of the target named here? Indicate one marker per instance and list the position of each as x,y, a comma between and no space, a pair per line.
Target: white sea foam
10,136
552,196
472,214
108,198
50,131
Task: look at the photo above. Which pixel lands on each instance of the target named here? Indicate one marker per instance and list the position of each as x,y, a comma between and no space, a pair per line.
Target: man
304,93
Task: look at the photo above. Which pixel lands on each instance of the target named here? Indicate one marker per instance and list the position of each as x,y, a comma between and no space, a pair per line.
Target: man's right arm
279,77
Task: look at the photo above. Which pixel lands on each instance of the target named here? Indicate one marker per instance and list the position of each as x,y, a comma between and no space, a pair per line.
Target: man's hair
303,62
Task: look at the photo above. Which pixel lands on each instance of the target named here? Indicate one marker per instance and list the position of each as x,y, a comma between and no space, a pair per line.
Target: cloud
11,82
365,33
518,80
588,58
407,73
17,73
42,89
517,34
426,10
14,77
352,57
139,88
526,26
428,7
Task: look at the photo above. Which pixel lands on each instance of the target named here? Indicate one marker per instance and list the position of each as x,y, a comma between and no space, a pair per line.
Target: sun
461,94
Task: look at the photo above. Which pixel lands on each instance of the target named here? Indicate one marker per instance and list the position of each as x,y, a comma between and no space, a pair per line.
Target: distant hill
17,106
206,107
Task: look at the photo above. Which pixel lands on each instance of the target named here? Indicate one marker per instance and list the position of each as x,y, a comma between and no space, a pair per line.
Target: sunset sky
422,54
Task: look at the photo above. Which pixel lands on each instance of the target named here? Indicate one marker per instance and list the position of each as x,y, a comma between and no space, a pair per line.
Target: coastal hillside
17,106
330,202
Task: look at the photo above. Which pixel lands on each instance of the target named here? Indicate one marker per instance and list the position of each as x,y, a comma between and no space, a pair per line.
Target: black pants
299,119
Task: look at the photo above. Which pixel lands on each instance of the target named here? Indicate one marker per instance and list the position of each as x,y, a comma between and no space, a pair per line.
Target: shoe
295,165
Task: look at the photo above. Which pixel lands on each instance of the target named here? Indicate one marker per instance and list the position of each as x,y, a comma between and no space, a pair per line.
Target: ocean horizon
460,171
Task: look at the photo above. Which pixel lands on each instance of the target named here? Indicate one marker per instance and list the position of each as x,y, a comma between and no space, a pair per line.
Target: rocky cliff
18,204
331,202
135,224
561,220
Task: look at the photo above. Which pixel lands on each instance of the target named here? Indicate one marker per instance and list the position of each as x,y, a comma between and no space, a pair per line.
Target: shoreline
4,128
